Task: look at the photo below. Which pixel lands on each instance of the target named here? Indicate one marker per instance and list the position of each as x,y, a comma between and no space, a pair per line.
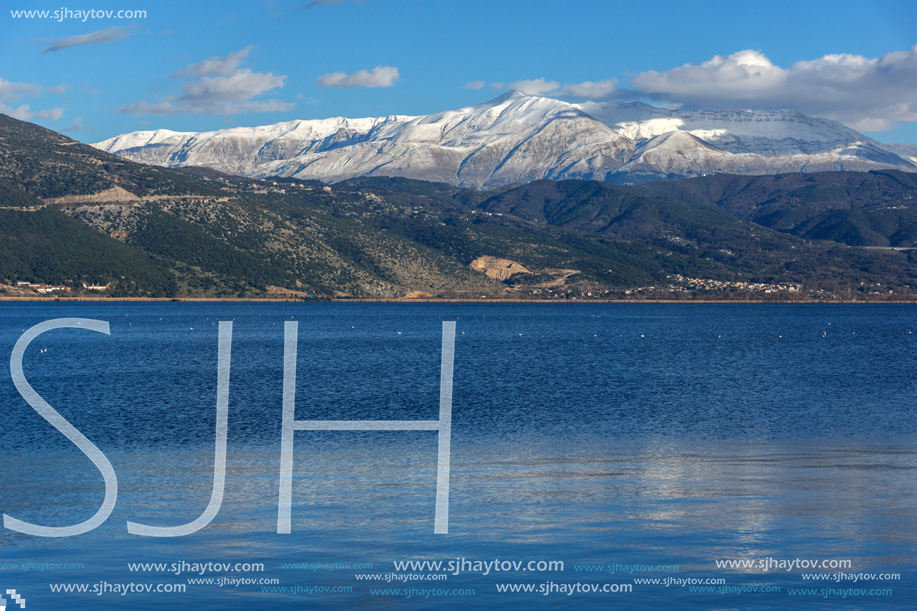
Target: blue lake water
651,436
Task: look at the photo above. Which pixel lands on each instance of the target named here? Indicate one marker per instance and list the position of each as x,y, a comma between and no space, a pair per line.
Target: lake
700,456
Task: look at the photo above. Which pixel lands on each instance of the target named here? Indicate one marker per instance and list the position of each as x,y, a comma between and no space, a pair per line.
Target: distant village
42,289
48,289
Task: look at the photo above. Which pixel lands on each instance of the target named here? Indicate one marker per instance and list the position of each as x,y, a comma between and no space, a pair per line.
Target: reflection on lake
593,434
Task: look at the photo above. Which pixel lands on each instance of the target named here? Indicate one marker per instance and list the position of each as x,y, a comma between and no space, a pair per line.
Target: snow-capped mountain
520,138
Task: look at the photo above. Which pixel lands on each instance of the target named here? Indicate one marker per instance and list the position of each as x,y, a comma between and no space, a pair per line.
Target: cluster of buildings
679,283
271,186
42,289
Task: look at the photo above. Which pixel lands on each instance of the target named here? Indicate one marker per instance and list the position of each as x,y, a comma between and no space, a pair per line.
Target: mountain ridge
74,216
518,138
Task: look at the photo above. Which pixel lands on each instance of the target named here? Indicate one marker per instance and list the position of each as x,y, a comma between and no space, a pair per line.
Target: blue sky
193,66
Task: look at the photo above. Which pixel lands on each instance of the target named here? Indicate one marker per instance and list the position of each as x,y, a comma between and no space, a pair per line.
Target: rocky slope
517,138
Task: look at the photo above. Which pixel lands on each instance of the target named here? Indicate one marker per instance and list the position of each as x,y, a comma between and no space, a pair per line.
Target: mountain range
92,223
518,138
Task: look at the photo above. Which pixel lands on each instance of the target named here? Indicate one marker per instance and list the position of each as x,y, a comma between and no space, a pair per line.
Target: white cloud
871,125
864,93
591,90
92,38
145,108
587,90
742,76
216,65
12,92
867,94
77,126
380,76
217,86
474,85
233,88
24,113
537,86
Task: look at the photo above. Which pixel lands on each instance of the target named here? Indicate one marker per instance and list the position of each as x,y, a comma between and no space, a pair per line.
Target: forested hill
77,218
857,208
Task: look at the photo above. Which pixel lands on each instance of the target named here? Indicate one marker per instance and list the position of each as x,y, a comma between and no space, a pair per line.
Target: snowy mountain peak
519,138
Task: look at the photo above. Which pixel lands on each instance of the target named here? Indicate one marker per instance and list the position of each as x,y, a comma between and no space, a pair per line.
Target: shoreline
434,301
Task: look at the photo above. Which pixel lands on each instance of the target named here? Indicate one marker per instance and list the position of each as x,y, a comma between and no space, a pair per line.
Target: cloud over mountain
591,90
587,90
864,93
539,86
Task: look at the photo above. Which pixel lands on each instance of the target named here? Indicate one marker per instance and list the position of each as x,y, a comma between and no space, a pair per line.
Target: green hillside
196,232
50,247
854,208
